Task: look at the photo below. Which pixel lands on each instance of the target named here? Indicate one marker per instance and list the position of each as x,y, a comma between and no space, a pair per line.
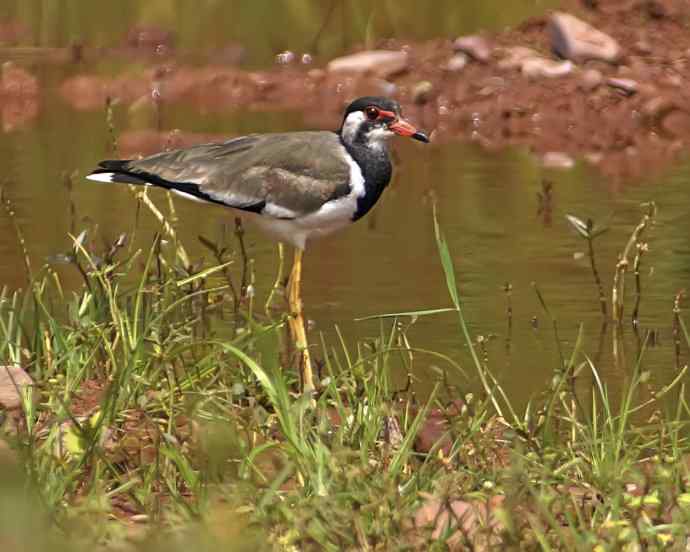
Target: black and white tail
116,170
122,171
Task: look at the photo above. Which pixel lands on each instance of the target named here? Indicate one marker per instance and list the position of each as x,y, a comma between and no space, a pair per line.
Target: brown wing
287,175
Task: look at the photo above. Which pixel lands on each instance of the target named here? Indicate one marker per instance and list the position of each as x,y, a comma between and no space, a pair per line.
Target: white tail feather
102,177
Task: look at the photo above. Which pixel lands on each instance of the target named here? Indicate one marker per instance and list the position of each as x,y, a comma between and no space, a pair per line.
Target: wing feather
288,175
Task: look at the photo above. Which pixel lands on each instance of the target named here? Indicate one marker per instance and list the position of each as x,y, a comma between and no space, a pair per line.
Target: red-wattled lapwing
296,185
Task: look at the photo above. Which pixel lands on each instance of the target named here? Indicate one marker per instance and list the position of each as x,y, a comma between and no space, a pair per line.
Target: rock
541,67
421,92
457,63
464,519
532,64
574,39
627,86
514,57
434,430
557,160
475,46
591,79
285,57
381,63
13,379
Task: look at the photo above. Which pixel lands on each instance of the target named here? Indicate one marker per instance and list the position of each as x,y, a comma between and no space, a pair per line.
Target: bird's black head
371,120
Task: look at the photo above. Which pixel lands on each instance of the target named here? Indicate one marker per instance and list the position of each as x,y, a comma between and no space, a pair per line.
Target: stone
471,519
381,63
422,91
515,56
538,67
475,46
557,160
576,40
434,431
627,86
591,79
13,379
457,63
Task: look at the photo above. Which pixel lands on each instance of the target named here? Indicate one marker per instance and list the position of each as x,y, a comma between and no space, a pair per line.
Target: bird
296,186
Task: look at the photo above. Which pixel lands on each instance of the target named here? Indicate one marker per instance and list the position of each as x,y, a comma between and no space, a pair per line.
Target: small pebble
421,93
627,86
475,46
457,63
285,58
591,79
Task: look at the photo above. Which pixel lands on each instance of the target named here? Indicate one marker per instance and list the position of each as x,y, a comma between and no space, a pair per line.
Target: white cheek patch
375,138
351,126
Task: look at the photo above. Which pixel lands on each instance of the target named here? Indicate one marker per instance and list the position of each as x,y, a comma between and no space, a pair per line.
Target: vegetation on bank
166,414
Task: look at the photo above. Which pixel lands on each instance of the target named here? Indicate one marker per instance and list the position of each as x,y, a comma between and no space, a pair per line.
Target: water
487,202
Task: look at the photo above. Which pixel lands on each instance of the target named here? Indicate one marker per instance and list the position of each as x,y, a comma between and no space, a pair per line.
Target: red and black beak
403,128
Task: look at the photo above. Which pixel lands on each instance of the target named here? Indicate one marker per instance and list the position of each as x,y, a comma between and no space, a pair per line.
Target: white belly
332,216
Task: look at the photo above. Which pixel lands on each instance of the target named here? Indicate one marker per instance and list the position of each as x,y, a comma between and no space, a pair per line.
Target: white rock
542,67
382,63
515,56
627,86
475,46
457,63
578,41
591,79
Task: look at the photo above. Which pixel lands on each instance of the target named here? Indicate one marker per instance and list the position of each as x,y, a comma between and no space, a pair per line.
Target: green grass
167,415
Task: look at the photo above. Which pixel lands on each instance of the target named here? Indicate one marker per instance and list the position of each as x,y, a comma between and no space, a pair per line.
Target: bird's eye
372,113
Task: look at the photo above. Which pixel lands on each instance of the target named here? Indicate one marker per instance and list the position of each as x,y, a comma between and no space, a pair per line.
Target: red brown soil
484,102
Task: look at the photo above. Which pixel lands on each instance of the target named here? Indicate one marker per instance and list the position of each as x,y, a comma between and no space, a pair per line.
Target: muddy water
487,203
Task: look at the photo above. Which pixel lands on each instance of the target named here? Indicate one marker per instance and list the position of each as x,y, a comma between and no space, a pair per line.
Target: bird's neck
375,164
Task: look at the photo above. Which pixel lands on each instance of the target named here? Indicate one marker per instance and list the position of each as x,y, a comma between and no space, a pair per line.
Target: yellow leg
299,334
